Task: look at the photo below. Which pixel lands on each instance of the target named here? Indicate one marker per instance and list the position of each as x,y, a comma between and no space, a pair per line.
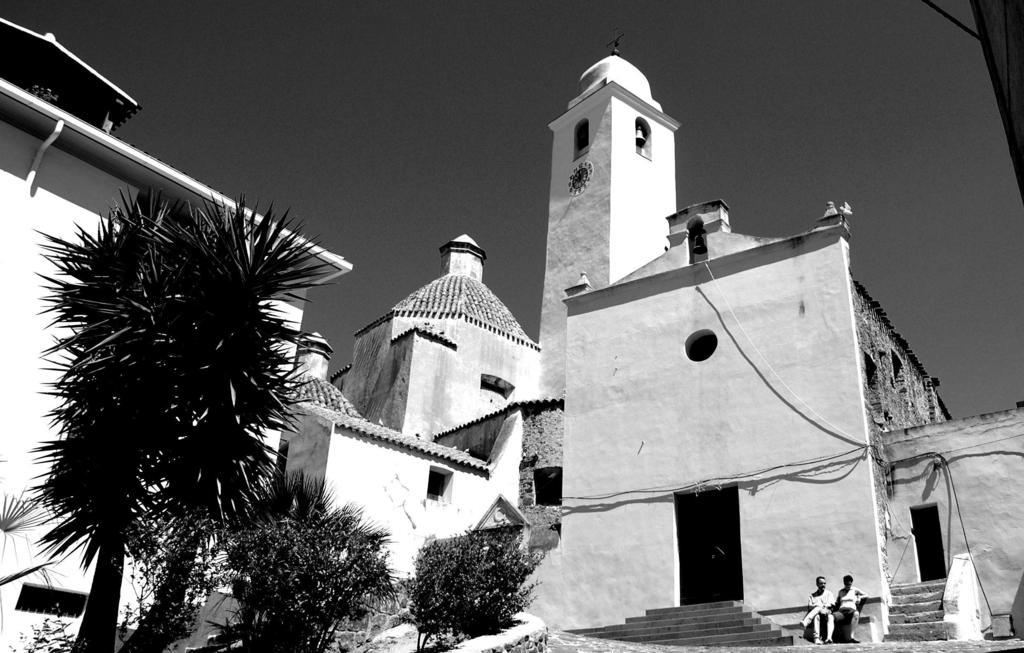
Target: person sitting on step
848,603
819,605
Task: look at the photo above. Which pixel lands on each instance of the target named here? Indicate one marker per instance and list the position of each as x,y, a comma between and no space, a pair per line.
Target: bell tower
612,186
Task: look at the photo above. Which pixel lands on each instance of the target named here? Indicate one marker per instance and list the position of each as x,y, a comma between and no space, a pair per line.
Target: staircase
916,613
725,623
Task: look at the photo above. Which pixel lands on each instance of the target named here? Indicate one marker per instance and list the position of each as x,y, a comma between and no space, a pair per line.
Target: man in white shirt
848,603
819,605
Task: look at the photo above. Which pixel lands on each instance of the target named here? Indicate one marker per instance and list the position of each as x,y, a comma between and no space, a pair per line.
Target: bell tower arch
612,186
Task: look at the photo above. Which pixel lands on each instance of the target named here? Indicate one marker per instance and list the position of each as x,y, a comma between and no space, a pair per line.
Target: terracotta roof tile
430,332
507,408
322,393
384,434
460,296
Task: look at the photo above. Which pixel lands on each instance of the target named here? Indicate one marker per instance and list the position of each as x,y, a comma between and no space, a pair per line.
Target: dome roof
460,296
614,68
319,391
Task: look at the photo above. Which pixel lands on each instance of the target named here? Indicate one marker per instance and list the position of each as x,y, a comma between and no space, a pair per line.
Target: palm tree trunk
99,624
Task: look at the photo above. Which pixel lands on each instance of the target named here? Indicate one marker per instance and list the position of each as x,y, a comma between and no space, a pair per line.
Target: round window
701,345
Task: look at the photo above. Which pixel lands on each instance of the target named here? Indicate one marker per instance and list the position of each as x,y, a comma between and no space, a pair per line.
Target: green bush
471,585
301,568
51,636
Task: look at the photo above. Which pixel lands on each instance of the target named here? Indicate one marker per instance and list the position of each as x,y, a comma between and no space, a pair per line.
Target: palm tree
18,516
173,365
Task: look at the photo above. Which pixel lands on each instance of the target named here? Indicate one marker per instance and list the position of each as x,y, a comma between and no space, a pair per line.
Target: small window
439,485
697,240
496,384
643,138
897,368
547,486
870,371
46,600
582,137
701,345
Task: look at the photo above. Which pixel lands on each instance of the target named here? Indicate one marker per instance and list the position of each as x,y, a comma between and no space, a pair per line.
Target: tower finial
614,43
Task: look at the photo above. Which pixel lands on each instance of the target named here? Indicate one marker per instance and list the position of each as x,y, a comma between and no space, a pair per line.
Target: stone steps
911,608
923,597
928,586
693,633
915,617
699,617
921,632
662,627
916,613
696,607
722,623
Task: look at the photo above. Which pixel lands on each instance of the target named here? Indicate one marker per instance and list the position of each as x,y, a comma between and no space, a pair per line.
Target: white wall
67,193
643,191
389,482
641,415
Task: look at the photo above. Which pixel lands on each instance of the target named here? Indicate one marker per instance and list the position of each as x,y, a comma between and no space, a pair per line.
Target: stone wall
529,635
898,394
542,450
898,390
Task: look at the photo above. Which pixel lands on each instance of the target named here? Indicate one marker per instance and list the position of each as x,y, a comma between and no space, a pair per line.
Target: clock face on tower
580,177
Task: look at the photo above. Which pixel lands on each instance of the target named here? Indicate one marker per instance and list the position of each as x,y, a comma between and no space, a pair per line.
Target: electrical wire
717,480
956,504
963,529
900,562
771,369
982,444
948,16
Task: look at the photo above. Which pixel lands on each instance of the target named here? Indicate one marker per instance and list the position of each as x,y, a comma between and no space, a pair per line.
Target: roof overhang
119,159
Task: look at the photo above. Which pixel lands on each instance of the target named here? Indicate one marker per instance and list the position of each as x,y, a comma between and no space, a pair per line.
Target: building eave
94,146
360,427
696,273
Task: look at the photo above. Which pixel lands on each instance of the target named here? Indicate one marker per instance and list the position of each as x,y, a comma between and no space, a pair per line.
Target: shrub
301,569
471,585
175,565
51,636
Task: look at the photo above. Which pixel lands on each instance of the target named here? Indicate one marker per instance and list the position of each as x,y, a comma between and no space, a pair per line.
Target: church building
708,419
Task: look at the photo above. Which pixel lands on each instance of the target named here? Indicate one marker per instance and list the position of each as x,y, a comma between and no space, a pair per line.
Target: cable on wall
771,369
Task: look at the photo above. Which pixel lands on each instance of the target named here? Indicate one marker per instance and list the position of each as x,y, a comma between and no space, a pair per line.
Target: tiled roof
324,394
460,296
340,372
384,434
507,408
430,333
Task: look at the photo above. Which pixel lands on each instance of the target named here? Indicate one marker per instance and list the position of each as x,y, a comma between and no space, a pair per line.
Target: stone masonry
542,457
898,392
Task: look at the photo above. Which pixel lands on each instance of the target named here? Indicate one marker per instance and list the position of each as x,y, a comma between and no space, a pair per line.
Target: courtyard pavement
562,642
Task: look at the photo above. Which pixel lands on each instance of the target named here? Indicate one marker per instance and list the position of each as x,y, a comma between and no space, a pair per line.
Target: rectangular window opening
439,485
547,486
496,384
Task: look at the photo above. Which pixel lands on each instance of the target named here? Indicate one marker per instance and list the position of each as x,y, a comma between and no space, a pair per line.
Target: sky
389,128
